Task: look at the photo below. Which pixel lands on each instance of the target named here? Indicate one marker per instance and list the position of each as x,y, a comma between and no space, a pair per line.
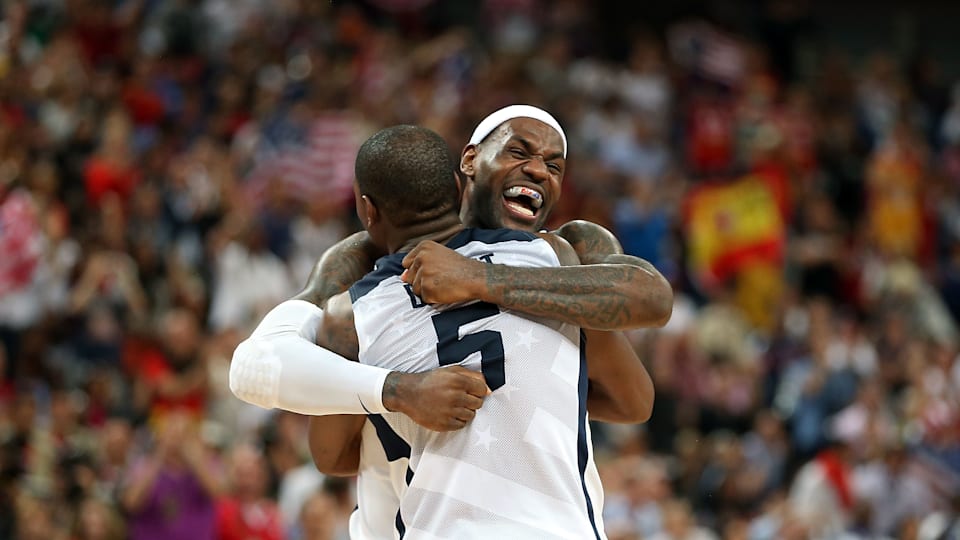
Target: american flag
310,162
21,241
709,52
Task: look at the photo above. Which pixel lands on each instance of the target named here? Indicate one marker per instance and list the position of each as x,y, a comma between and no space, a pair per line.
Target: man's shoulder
385,267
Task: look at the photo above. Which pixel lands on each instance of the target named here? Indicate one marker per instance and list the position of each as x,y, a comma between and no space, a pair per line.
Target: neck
439,230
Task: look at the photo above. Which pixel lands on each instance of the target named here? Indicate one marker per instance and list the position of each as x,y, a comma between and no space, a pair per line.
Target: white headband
496,118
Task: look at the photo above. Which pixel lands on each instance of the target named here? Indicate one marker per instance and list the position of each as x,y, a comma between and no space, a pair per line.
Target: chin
519,225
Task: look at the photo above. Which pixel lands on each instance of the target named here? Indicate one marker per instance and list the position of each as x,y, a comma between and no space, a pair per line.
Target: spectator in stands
246,513
171,491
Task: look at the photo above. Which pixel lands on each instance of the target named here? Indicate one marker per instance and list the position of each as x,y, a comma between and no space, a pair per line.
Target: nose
536,169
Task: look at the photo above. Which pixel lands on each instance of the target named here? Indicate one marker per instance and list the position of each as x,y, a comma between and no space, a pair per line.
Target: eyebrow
529,148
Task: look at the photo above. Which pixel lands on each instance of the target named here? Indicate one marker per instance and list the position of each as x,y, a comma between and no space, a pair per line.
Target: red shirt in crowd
101,177
256,521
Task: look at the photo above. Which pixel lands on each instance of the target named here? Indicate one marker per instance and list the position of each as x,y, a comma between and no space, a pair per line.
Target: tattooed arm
340,266
620,387
282,366
596,245
623,292
334,440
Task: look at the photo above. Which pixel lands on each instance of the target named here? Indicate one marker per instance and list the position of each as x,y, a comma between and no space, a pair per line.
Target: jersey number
452,349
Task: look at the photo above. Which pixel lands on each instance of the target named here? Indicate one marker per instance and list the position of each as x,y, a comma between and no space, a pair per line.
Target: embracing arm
621,389
650,297
334,440
340,267
623,292
281,366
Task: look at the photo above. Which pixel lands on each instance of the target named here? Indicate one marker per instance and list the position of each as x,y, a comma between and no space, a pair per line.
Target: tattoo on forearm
633,261
616,292
334,278
339,268
595,299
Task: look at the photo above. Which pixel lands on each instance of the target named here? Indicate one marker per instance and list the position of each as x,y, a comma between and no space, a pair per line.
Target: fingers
413,276
476,383
452,424
452,397
410,257
458,418
465,415
477,386
414,254
471,402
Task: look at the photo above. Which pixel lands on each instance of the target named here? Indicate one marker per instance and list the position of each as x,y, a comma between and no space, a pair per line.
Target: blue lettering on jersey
415,300
453,349
486,257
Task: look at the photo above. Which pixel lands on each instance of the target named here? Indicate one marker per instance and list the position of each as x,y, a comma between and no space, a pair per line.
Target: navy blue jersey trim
489,236
583,451
393,445
395,448
384,268
398,522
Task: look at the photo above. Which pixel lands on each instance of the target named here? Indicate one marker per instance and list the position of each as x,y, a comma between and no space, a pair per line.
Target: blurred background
171,169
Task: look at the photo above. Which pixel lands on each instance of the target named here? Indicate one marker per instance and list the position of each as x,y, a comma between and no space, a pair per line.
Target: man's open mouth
523,202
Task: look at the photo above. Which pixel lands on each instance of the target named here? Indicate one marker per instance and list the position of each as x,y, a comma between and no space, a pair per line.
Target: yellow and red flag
732,227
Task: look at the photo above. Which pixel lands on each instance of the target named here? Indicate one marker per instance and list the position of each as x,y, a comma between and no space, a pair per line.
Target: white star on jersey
526,339
484,438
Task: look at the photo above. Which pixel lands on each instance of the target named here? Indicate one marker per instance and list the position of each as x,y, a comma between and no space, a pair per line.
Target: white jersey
523,467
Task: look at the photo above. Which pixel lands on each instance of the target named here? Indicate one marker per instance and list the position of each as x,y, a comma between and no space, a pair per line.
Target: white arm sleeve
280,366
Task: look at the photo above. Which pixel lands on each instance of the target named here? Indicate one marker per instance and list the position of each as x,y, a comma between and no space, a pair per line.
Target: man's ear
468,160
370,211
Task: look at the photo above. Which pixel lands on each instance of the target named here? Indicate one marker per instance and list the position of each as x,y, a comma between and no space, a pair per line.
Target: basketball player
530,440
280,366
315,381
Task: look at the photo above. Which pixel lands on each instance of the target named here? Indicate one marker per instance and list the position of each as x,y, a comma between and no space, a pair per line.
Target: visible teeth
516,191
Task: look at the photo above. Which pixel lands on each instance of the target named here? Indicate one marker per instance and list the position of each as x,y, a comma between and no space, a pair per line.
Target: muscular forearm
651,297
600,297
335,443
621,390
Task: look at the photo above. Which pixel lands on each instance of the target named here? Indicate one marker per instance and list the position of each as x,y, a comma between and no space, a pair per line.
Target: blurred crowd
171,169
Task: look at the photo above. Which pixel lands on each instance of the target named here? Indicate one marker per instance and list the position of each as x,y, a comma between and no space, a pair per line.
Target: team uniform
523,467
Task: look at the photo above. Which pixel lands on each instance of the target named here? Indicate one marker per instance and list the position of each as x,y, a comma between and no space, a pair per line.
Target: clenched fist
440,275
443,399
